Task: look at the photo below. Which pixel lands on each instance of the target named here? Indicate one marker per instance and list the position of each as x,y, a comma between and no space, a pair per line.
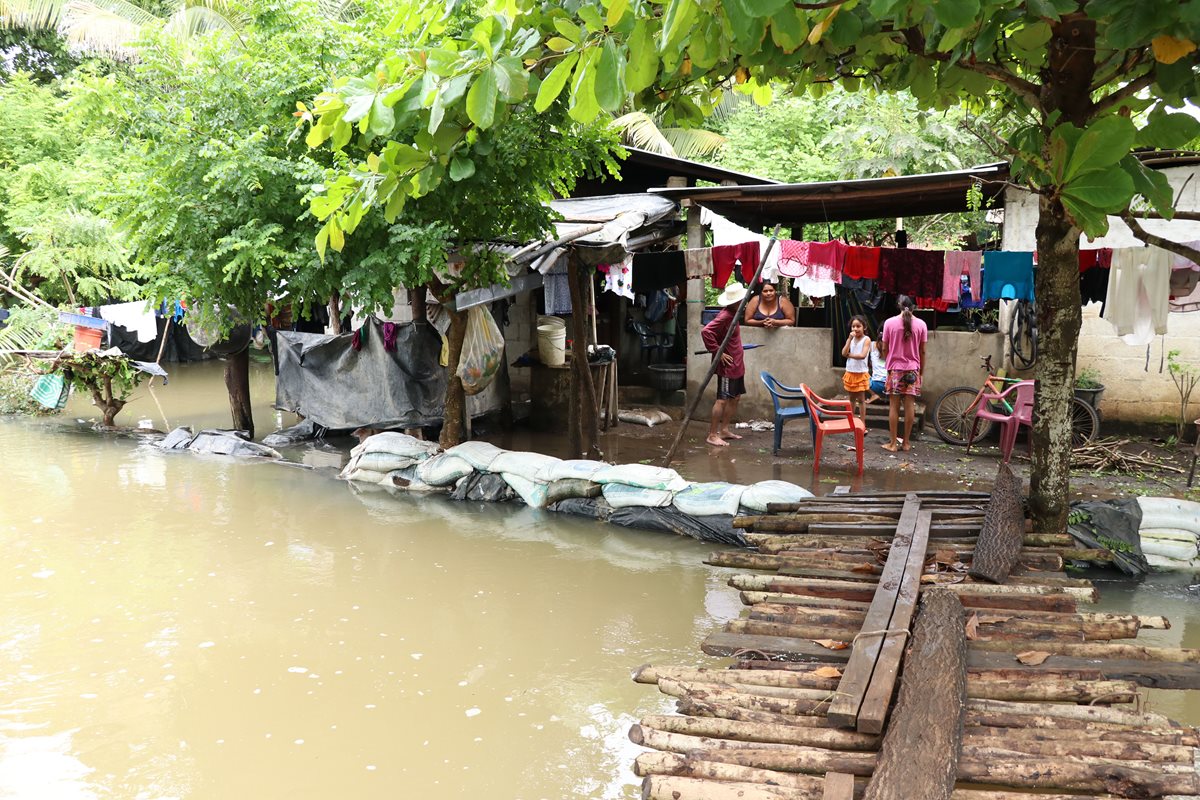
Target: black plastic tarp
325,380
180,346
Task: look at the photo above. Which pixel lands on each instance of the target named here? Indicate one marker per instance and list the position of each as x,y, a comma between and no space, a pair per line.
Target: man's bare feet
891,447
716,441
906,447
728,435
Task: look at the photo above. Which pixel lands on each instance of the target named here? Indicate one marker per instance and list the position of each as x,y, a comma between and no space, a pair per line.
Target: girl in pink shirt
902,343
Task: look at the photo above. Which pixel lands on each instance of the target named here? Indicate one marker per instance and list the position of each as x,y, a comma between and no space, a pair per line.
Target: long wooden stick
712,368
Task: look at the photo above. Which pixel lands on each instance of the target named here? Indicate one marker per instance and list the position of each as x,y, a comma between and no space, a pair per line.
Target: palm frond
197,20
31,14
640,130
107,27
693,142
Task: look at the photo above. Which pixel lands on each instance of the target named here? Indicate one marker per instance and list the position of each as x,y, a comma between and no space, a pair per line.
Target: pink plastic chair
1020,397
832,417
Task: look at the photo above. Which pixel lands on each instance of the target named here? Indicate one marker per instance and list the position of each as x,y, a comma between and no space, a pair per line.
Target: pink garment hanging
818,261
724,256
958,262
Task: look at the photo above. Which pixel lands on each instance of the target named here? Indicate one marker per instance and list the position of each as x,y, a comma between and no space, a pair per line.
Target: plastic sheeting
325,380
1111,525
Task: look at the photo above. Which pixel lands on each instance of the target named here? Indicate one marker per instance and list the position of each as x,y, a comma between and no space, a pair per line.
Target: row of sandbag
1170,532
636,495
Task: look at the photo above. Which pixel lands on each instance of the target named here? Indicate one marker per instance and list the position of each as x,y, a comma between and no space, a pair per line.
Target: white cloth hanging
135,317
1139,286
726,232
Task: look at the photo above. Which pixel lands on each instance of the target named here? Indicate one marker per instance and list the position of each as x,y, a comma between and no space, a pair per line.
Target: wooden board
878,697
838,786
844,709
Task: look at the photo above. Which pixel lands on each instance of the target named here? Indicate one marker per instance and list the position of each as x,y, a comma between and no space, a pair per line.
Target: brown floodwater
182,626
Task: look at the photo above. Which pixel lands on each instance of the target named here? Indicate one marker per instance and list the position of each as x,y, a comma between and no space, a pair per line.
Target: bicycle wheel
954,414
1085,423
1023,335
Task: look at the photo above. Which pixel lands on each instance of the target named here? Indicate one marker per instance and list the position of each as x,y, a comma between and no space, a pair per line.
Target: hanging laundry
1183,282
1093,286
1183,262
957,262
698,262
1138,293
391,331
1097,257
359,338
136,317
724,256
557,283
1007,275
654,271
725,232
935,303
911,272
815,266
865,290
618,278
861,262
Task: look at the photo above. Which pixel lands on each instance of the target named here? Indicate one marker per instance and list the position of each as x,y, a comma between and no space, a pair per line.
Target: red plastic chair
1020,397
833,417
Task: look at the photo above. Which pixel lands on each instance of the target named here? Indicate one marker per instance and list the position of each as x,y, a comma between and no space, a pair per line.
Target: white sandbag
523,463
571,469
532,492
383,462
642,475
443,469
397,443
1164,564
1169,548
1177,534
407,480
706,499
644,416
1170,512
365,476
759,494
622,495
479,455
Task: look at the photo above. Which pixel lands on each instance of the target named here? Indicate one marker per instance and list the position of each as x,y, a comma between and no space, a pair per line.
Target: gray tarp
325,380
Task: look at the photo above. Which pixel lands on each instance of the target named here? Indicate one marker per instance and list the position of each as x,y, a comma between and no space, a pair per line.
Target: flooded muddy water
178,626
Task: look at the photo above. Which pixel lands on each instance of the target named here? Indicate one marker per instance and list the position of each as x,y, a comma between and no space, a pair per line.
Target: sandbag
1170,512
641,475
479,455
483,486
578,468
1169,548
229,443
396,443
643,416
716,529
523,463
1164,564
705,499
407,480
383,462
568,488
533,493
364,476
444,469
1178,534
178,439
620,495
757,495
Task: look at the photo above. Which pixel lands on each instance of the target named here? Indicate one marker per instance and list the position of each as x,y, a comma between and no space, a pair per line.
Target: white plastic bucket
557,322
552,344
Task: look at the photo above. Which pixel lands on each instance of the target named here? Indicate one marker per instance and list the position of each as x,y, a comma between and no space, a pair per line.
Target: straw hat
733,294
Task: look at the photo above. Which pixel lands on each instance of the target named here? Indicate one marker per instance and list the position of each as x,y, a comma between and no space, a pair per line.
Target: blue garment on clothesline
1007,275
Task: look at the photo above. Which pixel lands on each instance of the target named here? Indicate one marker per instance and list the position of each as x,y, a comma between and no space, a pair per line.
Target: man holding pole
731,371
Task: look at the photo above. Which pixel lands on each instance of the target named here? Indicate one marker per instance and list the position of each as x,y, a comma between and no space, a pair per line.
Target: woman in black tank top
769,309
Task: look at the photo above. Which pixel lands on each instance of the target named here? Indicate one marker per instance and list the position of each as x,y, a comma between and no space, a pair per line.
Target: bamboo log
705,708
1130,719
795,679
1100,692
675,787
1116,751
705,689
829,738
1102,650
648,764
766,700
852,590
1003,528
1086,732
918,756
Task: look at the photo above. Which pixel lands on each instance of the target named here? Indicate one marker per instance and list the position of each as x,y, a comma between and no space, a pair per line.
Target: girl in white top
857,379
878,373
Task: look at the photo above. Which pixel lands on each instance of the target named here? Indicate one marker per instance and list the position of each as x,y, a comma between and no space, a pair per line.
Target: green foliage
94,373
1185,376
16,382
1088,378
31,327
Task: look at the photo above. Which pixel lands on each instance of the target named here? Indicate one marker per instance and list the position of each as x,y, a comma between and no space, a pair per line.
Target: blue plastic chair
780,392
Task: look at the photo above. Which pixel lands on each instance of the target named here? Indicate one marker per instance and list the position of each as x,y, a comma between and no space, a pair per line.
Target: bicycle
954,412
1023,334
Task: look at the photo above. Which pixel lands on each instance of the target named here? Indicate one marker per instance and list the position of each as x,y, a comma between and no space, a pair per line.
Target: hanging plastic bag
483,349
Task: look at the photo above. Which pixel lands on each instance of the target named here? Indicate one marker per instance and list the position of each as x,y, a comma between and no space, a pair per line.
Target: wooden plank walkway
1054,692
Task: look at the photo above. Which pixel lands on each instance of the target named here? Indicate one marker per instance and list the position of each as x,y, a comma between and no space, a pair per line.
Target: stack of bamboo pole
1053,693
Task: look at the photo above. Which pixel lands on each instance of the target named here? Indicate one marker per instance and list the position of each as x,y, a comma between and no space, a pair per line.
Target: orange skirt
856,381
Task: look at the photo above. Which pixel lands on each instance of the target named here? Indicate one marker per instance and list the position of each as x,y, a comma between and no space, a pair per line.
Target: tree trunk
237,384
455,414
588,417
919,755
1000,540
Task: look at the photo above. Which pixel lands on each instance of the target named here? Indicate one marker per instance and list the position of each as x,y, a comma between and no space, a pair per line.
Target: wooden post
1000,539
919,754
588,417
838,786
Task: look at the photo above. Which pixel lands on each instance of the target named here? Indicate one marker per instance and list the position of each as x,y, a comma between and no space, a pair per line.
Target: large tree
1083,83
